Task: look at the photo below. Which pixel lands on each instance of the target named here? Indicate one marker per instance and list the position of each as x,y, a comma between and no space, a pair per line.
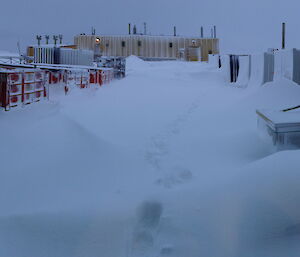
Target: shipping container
19,87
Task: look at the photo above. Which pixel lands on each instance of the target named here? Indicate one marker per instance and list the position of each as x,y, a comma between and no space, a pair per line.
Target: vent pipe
202,32
55,38
215,31
175,33
60,38
39,38
134,30
129,29
47,39
145,28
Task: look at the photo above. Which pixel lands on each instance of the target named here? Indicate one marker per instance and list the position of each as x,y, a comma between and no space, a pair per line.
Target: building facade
146,46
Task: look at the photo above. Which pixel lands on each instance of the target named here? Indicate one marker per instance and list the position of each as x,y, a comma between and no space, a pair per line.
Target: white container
76,57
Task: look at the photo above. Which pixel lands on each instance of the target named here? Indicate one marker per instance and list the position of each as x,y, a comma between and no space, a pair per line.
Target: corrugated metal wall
146,46
54,55
76,57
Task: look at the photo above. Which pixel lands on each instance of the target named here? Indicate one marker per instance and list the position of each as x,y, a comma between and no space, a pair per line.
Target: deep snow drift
166,162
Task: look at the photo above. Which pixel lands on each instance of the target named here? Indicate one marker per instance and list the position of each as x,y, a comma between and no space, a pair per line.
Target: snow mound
133,62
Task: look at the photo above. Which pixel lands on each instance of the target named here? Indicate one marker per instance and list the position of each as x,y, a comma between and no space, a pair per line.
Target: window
139,43
170,44
123,44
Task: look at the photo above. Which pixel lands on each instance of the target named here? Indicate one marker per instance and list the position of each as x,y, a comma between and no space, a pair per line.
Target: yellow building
146,46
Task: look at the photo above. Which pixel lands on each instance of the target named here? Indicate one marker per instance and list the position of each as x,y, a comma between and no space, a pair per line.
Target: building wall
146,46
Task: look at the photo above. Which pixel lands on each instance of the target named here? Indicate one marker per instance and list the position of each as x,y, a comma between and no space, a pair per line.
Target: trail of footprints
145,233
159,149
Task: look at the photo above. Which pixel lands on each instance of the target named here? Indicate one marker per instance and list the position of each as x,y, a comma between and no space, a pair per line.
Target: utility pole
283,35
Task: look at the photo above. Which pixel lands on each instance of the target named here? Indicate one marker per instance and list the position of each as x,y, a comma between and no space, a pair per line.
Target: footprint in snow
146,229
177,176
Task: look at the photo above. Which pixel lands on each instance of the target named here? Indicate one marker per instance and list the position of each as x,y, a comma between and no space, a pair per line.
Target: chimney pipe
134,30
175,33
129,28
215,31
202,32
283,35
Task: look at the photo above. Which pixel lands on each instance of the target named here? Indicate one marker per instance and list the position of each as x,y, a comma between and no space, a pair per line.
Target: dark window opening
139,43
123,44
170,45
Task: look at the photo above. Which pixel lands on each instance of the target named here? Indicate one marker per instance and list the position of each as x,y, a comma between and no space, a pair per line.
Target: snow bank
166,162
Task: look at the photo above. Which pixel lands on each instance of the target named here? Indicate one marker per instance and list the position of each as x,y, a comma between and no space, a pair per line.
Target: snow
166,162
281,118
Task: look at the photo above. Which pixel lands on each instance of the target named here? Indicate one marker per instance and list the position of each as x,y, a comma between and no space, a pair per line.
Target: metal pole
283,35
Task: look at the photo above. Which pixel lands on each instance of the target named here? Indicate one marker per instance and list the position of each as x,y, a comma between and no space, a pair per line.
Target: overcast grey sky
242,25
